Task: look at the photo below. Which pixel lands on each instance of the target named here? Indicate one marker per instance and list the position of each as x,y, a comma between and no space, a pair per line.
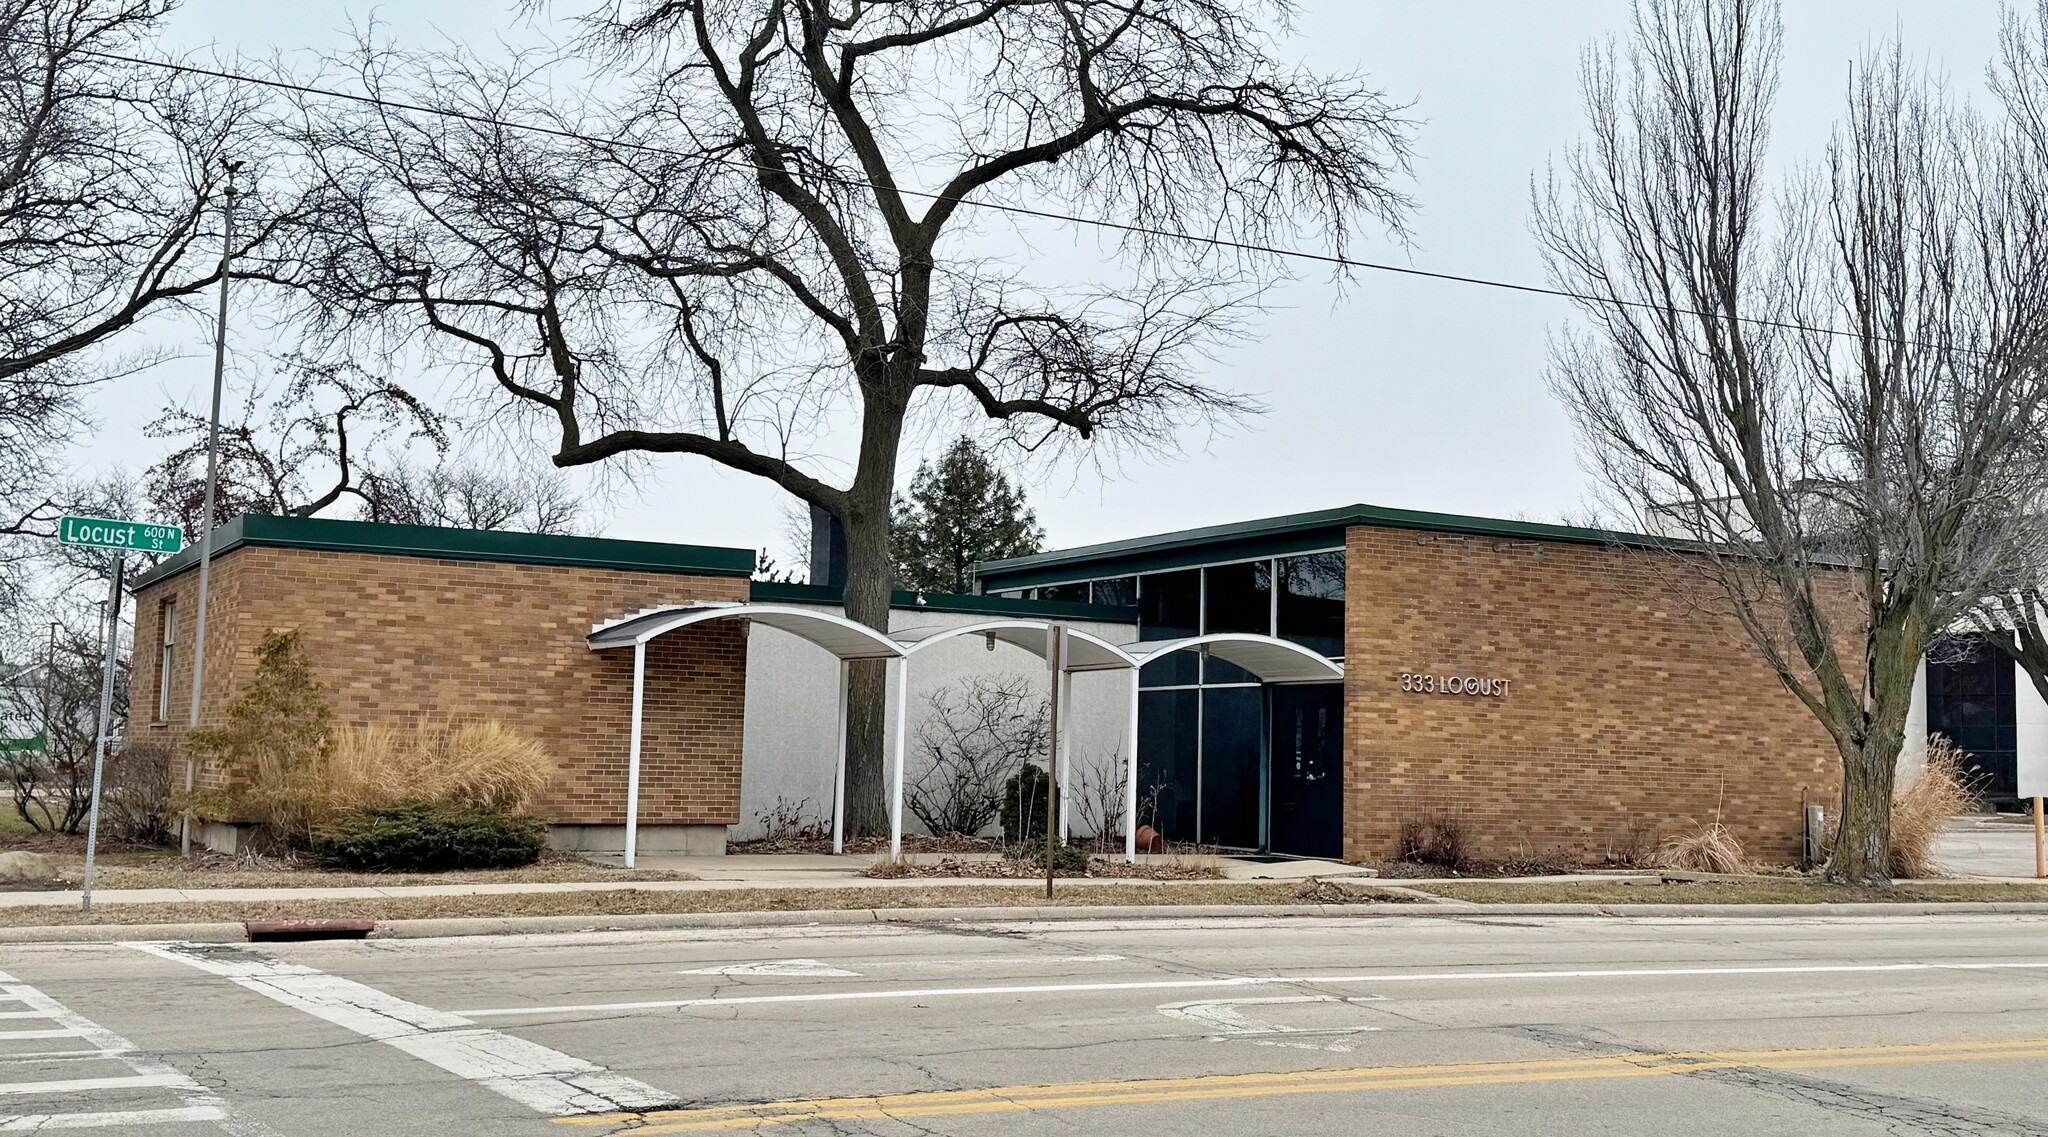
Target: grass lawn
1792,890
632,902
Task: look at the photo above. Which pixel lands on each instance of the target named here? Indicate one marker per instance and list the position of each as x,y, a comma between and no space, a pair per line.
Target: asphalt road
1245,1027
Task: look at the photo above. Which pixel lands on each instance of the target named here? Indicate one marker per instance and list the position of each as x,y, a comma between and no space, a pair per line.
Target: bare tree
471,496
749,269
1829,404
292,455
110,173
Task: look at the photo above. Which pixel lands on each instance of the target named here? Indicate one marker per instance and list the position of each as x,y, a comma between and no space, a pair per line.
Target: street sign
132,536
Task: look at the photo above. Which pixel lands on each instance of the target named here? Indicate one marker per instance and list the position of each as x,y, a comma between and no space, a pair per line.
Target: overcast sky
1397,392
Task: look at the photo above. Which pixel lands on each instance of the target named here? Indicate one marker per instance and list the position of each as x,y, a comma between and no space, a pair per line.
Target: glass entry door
1306,778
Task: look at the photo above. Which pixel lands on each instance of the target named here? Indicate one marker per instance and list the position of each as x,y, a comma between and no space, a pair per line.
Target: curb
842,917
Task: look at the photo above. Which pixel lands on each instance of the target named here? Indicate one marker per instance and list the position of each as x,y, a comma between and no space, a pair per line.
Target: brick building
403,621
1559,692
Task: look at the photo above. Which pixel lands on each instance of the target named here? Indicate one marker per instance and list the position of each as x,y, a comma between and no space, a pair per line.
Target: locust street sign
129,536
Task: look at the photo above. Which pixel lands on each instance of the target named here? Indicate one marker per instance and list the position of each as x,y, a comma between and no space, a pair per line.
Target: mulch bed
1010,868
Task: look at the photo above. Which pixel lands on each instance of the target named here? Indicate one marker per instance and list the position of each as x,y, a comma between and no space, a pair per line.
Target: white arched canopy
1271,659
843,638
1066,650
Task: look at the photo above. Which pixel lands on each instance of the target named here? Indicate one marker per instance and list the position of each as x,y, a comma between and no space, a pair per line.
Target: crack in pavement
1901,1113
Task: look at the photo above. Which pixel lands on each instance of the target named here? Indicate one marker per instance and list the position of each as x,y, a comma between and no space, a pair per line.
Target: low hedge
429,837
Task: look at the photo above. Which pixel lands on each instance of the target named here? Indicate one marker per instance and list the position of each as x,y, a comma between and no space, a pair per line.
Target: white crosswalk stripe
195,1104
533,1075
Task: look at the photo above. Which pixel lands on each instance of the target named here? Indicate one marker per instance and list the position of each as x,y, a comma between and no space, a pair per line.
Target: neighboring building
1563,692
1985,703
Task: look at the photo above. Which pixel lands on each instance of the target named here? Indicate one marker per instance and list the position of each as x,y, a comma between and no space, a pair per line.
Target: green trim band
371,539
770,592
1271,536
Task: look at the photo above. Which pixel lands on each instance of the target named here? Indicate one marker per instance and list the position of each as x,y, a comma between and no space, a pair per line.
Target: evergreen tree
957,512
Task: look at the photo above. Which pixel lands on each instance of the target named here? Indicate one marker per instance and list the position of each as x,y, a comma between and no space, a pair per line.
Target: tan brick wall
1629,704
395,638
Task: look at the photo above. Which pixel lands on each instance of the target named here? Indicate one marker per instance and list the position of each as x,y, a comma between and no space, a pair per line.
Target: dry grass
633,902
481,763
1796,890
212,870
1922,811
1705,848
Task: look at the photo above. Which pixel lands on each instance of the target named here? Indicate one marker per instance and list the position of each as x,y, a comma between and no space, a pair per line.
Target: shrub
273,746
976,732
135,797
1704,848
480,763
1922,810
1025,816
1437,837
1065,857
429,836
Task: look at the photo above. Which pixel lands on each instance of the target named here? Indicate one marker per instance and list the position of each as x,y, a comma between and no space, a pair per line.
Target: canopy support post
1131,781
1066,762
839,768
633,754
902,670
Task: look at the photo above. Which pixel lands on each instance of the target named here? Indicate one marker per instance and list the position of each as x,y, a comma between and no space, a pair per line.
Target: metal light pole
220,358
99,736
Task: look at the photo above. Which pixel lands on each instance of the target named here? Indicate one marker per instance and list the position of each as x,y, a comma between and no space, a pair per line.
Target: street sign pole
99,743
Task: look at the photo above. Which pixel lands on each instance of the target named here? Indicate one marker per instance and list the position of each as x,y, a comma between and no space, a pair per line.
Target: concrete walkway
1984,848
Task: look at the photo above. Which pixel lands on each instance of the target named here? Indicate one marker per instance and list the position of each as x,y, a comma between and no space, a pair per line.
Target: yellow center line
1072,1095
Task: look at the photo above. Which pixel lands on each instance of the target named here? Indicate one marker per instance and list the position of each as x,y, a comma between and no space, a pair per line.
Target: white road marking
541,1079
1242,981
1002,960
1225,1016
38,1122
198,1103
776,967
165,1081
24,1014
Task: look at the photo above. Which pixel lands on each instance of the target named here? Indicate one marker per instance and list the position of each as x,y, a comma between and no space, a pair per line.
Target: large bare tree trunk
870,576
1870,755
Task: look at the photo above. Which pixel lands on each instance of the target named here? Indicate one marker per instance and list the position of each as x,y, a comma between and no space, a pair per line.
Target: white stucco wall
791,685
2032,720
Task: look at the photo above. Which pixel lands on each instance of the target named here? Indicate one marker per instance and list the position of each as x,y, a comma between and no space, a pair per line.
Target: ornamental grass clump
1922,810
483,764
1710,848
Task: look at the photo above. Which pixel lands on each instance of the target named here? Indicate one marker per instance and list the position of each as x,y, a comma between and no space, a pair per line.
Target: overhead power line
1014,210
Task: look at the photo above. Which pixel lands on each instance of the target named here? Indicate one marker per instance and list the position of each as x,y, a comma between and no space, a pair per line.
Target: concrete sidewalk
794,870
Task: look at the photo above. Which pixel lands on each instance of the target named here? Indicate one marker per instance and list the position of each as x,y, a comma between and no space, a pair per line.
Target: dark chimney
828,549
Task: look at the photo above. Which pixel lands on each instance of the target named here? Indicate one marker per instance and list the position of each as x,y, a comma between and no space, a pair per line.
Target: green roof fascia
770,592
375,539
1271,536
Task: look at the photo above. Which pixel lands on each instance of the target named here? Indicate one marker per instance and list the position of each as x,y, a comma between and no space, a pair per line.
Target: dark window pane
1232,726
1167,726
1071,593
1169,608
1121,592
1312,601
1240,598
1970,689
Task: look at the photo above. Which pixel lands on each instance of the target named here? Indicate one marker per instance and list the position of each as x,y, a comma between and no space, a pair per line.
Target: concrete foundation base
686,840
223,836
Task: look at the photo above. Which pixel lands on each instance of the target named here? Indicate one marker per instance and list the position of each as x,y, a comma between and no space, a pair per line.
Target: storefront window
1121,592
1232,726
1312,602
1069,593
1170,608
1240,599
1971,702
1169,747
